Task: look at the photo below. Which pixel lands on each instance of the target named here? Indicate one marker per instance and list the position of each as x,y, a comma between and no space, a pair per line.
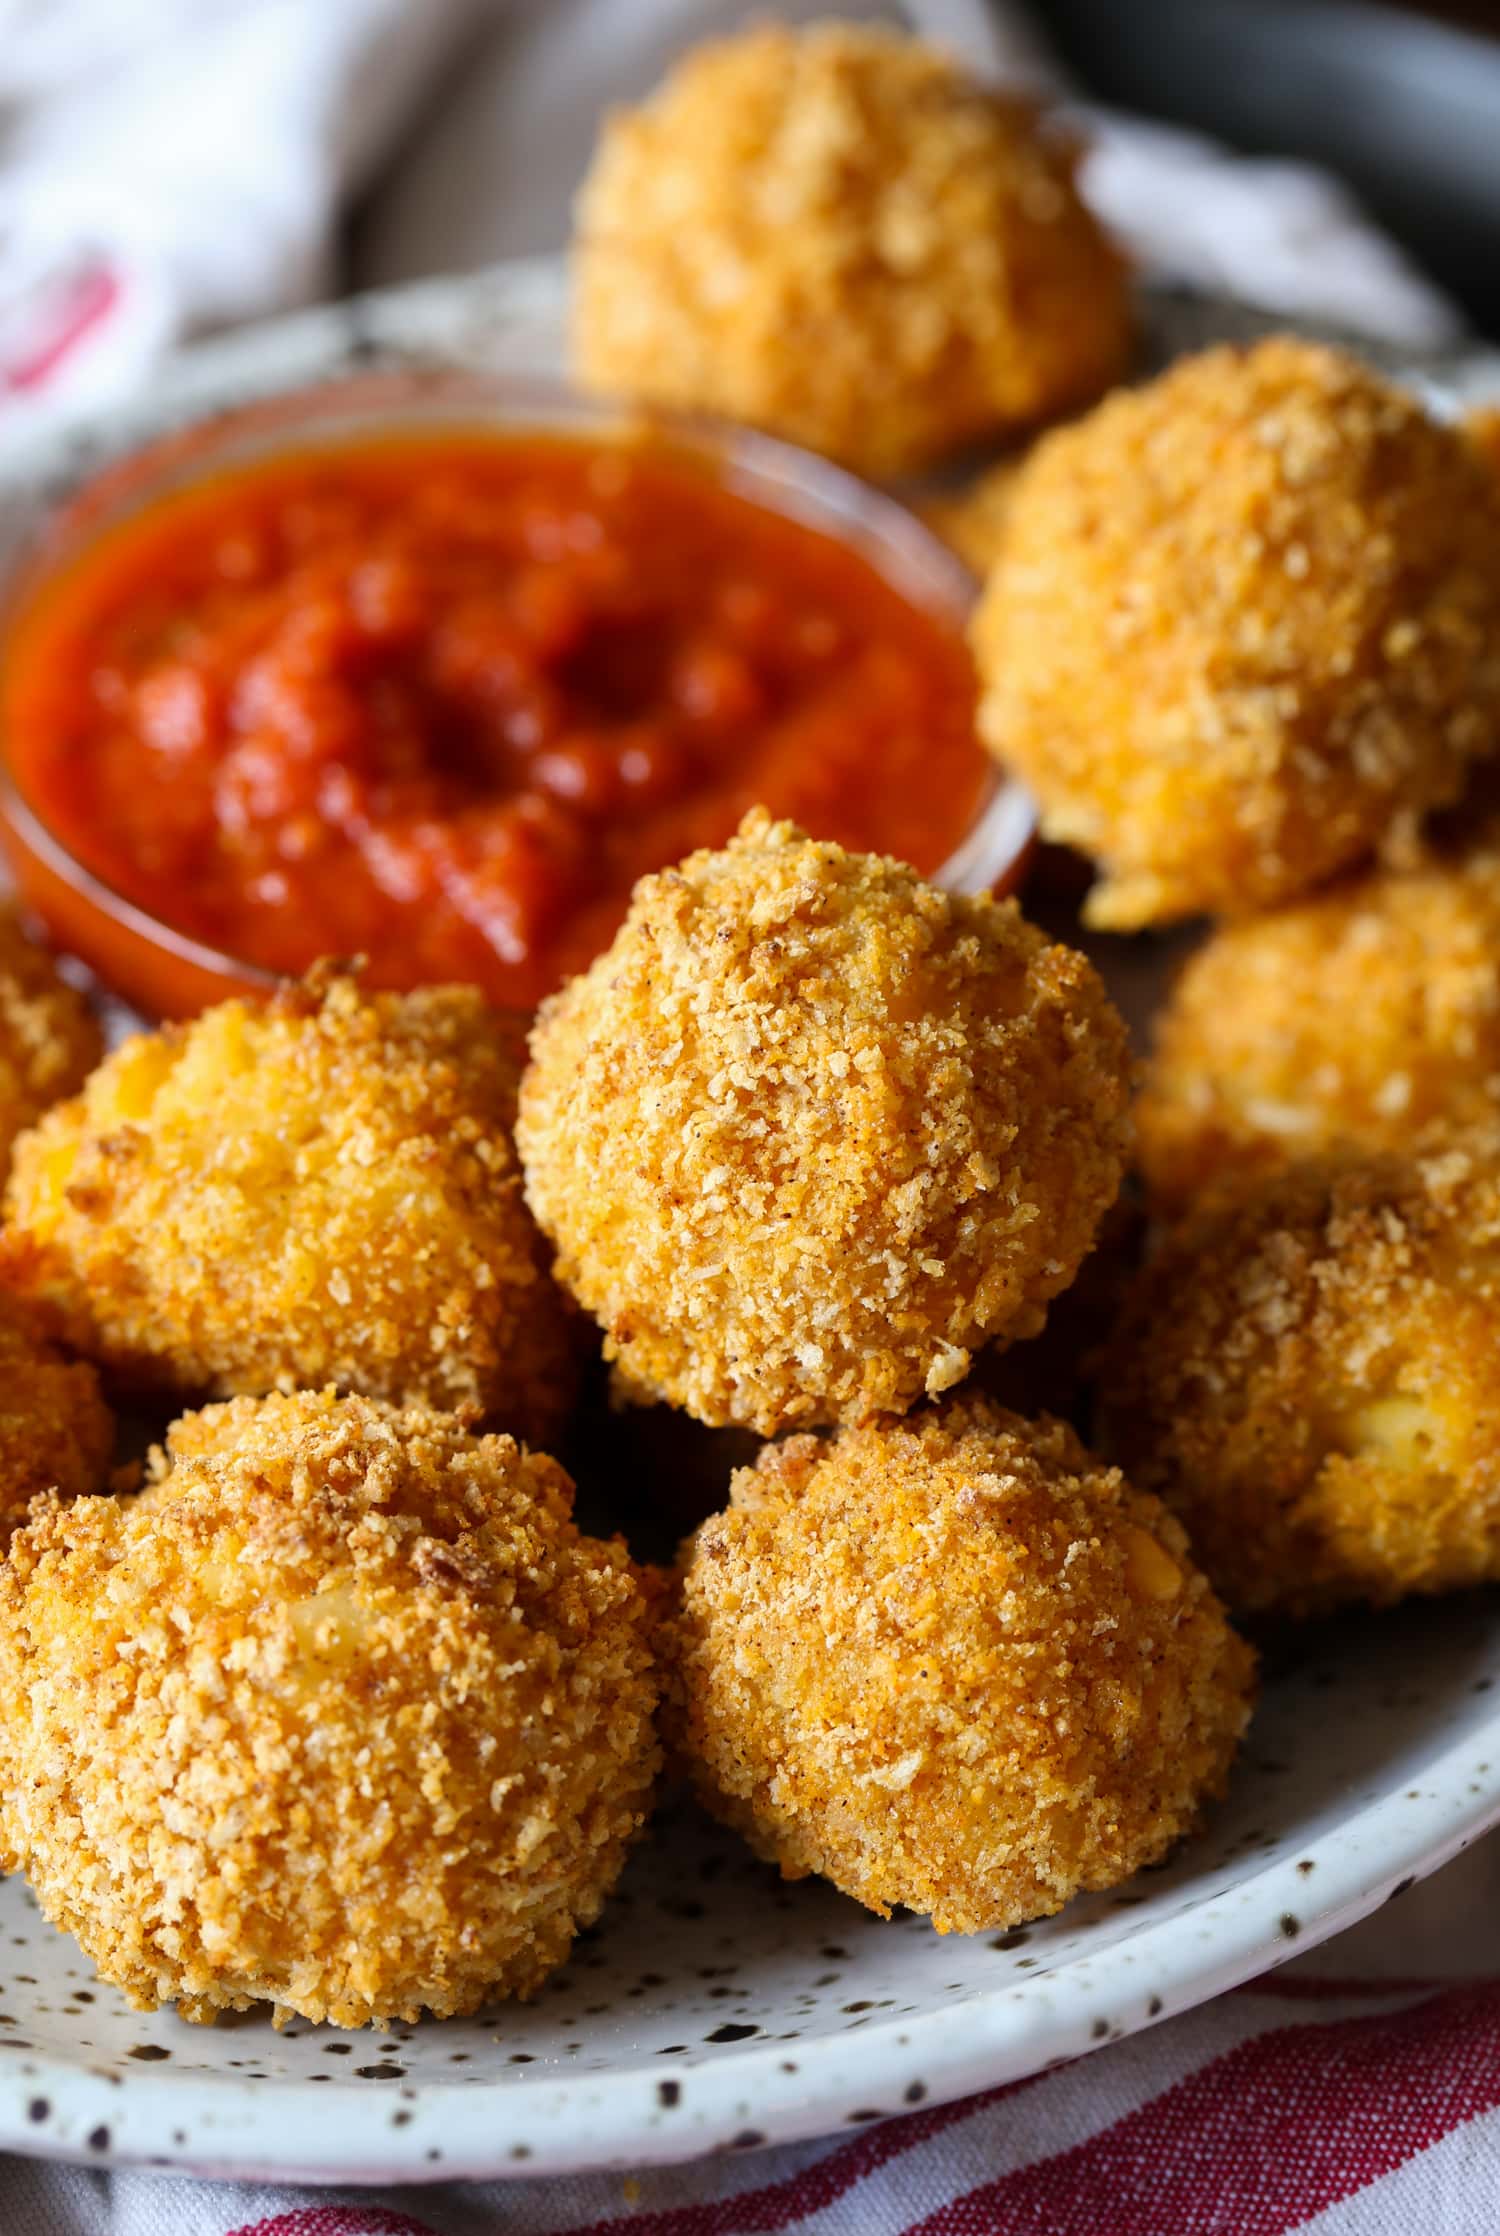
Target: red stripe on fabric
336,2220
1263,2138
778,2205
92,299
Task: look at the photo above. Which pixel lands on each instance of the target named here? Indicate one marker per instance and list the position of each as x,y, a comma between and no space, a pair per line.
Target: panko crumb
323,1188
1244,629
1308,1372
834,233
810,1130
951,1663
1360,1018
56,1432
49,1036
340,1714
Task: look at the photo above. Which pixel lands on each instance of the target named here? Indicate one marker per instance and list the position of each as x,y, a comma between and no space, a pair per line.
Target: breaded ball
49,1037
56,1432
836,234
1361,1017
951,1663
1243,630
341,1714
1308,1372
809,1131
320,1189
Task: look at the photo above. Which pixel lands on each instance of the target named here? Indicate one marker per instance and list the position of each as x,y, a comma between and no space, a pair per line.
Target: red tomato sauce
440,700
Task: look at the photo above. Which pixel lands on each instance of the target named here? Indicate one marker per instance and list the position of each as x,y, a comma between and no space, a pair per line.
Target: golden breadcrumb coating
49,1037
810,1130
1244,628
953,1663
56,1432
1360,1017
322,1188
1308,1372
973,519
834,233
342,1713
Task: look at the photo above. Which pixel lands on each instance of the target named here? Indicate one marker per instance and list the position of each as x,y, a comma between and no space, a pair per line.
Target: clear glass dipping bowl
162,971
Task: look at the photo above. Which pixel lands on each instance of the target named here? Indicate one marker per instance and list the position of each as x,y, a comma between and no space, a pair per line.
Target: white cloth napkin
171,165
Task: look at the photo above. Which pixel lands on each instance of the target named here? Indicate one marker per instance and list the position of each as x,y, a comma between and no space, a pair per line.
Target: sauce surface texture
440,700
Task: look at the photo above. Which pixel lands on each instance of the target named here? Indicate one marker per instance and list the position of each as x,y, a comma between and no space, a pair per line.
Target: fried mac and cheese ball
1243,629
1308,1373
341,1713
56,1432
321,1188
49,1037
810,1130
834,233
952,1663
1362,1016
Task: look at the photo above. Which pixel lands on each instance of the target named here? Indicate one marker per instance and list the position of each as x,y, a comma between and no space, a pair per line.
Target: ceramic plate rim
579,2122
286,2130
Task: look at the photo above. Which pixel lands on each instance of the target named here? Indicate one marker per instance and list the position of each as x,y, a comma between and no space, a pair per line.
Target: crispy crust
1361,1018
1308,1372
49,1037
951,1663
56,1432
833,233
1244,628
341,1713
321,1189
810,1130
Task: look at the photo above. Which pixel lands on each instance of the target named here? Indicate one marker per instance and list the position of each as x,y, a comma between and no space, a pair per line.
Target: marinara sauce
441,699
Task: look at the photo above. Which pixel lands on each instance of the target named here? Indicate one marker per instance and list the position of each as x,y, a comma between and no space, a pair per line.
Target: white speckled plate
715,2009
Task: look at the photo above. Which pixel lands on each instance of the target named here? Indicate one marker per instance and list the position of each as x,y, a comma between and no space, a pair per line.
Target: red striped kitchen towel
1328,2097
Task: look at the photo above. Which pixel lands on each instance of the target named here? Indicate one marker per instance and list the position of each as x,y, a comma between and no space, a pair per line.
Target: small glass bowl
163,972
